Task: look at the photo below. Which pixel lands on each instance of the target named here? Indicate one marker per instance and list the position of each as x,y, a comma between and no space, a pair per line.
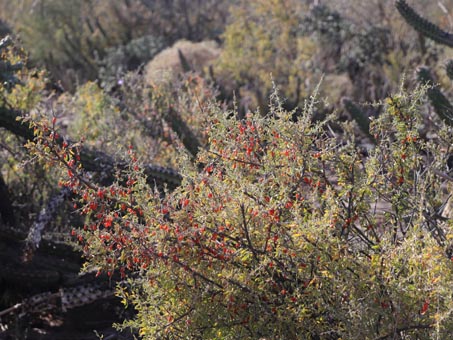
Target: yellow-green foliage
279,232
262,44
71,38
68,37
30,84
279,237
27,181
282,228
93,116
141,119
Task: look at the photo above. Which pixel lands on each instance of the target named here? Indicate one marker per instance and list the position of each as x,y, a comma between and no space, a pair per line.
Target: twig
10,309
403,329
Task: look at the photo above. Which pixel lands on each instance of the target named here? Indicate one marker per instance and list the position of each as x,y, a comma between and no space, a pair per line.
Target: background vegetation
272,169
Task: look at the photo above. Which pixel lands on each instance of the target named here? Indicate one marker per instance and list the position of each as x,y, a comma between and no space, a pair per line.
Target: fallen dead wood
92,160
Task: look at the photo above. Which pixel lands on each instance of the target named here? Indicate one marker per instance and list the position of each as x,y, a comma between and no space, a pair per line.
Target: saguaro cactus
422,25
439,101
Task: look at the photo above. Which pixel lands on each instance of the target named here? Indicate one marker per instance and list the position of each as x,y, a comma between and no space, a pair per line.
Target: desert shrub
296,46
182,20
119,60
54,33
190,100
113,123
373,48
345,49
261,44
282,227
280,230
68,38
399,50
94,115
166,115
22,90
155,119
430,30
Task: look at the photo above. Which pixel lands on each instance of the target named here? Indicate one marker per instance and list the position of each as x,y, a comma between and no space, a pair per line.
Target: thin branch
404,329
234,159
247,235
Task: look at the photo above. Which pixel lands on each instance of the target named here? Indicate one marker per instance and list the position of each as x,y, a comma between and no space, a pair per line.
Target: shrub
28,183
427,29
94,115
294,44
155,119
119,60
68,38
280,230
176,20
262,44
282,227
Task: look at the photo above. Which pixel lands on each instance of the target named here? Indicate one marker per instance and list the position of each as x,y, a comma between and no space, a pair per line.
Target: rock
168,63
